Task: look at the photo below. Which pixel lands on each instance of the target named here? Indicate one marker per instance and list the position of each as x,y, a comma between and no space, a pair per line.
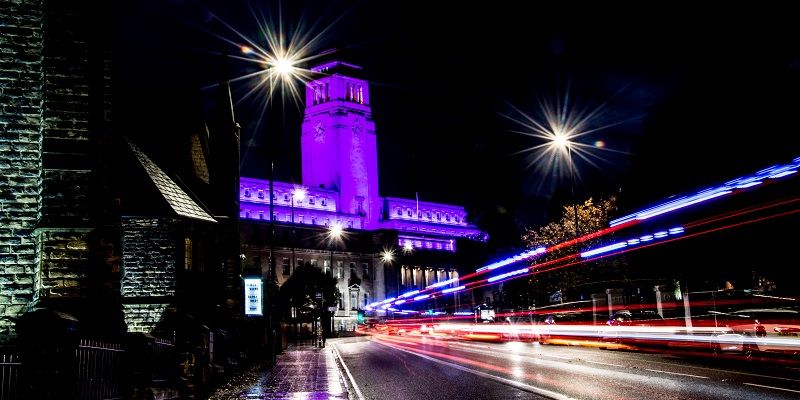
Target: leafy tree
592,217
300,289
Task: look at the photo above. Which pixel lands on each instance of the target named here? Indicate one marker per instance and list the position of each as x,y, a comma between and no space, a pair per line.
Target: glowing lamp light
299,194
387,256
560,140
283,66
336,230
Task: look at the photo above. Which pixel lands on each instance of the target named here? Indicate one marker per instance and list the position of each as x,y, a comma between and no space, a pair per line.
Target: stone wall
21,81
144,317
64,266
149,258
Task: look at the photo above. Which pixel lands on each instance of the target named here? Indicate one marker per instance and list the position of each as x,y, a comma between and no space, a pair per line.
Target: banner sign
253,294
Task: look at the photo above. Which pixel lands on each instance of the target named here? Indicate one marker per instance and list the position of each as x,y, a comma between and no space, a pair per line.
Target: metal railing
10,376
98,370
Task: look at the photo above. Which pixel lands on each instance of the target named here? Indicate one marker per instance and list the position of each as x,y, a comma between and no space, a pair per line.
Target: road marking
772,387
604,363
510,382
675,373
349,375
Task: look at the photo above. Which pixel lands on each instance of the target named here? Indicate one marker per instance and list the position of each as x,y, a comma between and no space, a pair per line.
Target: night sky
708,94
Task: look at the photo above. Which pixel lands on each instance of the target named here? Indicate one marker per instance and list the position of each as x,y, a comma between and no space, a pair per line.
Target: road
395,367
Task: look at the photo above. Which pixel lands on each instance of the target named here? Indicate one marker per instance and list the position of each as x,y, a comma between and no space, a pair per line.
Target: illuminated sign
253,292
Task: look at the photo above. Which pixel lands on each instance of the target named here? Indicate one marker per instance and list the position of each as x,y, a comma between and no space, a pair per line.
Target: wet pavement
301,372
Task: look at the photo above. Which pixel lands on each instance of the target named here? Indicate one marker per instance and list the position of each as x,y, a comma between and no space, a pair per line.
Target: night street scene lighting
345,200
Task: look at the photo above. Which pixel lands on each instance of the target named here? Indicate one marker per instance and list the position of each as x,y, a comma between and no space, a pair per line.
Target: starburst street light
387,256
558,131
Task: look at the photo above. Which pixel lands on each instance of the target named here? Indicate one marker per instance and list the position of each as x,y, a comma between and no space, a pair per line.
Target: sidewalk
301,372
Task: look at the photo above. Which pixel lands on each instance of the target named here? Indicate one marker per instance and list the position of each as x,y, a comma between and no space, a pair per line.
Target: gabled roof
178,200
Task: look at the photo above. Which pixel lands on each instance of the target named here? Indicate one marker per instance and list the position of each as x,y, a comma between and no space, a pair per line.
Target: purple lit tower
340,186
340,172
338,141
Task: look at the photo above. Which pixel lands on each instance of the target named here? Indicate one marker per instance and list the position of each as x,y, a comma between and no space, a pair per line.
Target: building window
311,200
299,262
323,202
339,270
288,217
408,212
286,198
314,263
187,254
261,195
260,215
275,216
247,193
286,267
365,268
399,212
313,221
365,300
447,217
353,270
353,300
274,197
456,217
360,94
350,223
300,219
438,216
341,300
247,214
326,267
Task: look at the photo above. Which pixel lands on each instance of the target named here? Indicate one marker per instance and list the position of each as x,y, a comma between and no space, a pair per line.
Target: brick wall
21,81
149,257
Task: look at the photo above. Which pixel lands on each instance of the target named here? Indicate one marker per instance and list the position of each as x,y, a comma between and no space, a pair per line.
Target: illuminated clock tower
339,150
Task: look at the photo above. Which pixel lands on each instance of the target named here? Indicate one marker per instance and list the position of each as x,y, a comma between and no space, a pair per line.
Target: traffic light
360,316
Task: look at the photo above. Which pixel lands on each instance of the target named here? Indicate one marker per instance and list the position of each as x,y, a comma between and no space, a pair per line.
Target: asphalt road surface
395,367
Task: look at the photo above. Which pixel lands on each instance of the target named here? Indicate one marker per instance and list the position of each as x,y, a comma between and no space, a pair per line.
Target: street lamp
561,141
299,194
335,232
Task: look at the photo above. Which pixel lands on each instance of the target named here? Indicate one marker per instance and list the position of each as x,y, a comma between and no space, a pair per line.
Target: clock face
319,130
357,126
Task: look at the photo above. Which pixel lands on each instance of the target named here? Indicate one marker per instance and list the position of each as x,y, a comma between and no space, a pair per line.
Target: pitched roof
180,202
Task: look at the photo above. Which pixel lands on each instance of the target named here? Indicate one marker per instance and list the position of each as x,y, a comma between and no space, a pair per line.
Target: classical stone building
340,188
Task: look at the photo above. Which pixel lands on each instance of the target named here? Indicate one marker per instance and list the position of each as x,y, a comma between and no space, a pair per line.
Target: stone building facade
90,225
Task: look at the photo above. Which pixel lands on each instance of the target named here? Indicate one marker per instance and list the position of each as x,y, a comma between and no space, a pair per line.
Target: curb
353,392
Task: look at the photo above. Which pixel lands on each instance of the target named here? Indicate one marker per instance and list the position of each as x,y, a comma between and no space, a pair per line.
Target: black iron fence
98,370
10,375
